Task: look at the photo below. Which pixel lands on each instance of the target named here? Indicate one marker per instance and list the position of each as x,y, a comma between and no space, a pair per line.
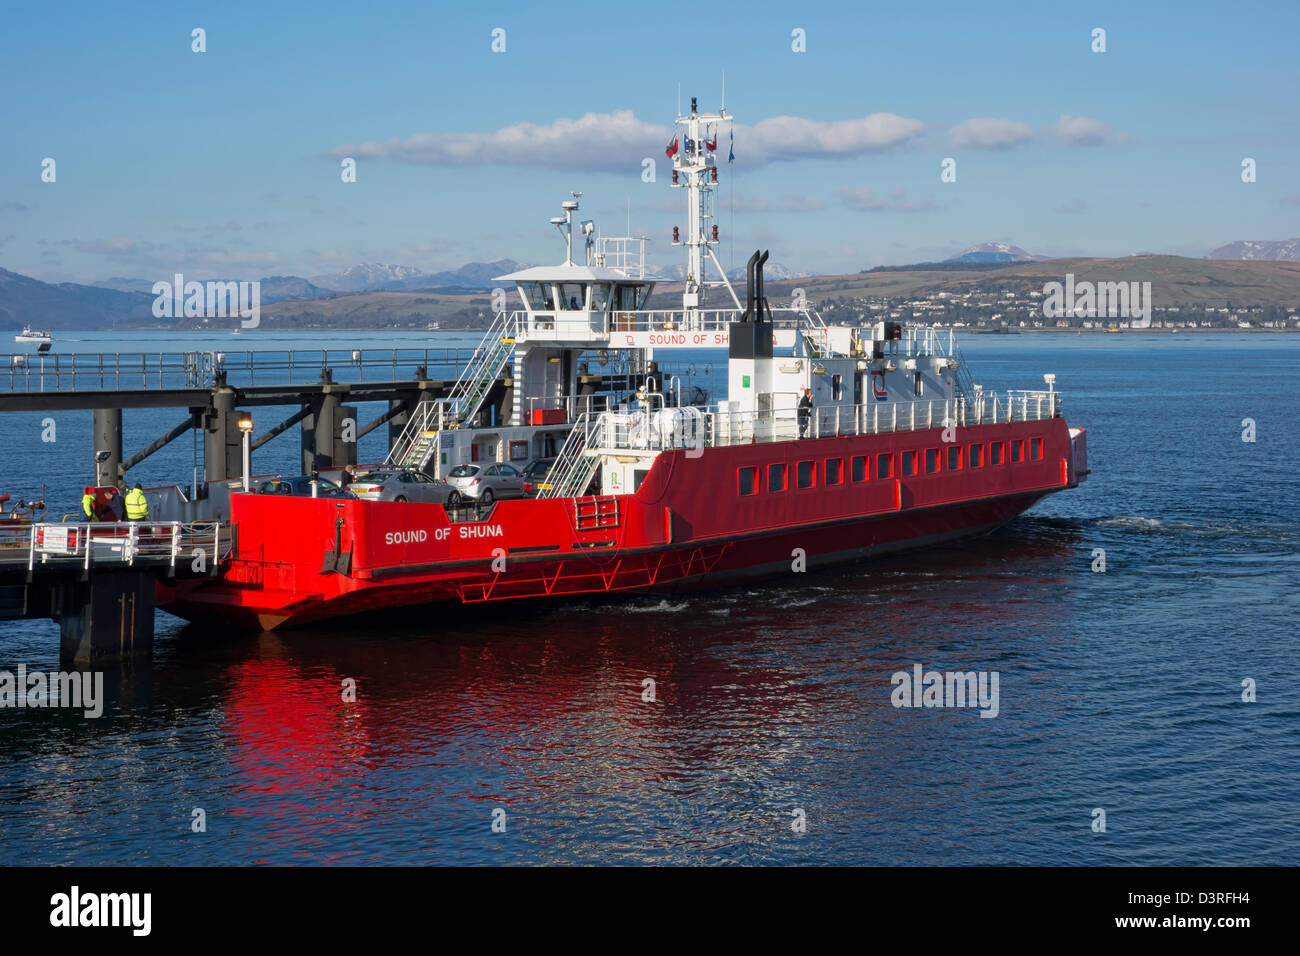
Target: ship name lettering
480,531
406,537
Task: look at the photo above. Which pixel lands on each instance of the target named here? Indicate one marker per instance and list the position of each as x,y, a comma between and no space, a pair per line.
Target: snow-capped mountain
993,252
381,277
1287,250
369,277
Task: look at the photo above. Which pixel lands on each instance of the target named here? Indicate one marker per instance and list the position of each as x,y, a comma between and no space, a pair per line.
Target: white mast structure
695,168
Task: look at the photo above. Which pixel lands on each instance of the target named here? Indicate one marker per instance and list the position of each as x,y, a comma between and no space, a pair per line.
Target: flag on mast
671,150
731,155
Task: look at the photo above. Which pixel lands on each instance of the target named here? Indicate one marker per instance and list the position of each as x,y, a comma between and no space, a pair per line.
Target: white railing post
176,542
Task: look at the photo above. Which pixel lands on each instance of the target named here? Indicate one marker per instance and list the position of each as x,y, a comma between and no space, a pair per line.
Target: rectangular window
907,463
747,481
573,296
884,465
931,460
995,453
776,477
600,296
954,457
1017,450
859,465
1035,449
837,387
976,456
918,383
806,474
834,471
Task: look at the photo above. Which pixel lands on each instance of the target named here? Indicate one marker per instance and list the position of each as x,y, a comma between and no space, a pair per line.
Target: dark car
535,474
301,487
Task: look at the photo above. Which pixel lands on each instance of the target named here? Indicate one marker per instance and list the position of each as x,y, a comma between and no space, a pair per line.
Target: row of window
902,464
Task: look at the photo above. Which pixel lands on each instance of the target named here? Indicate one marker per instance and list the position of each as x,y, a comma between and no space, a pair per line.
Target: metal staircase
419,441
573,468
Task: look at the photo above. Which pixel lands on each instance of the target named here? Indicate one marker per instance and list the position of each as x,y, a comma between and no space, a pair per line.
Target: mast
695,169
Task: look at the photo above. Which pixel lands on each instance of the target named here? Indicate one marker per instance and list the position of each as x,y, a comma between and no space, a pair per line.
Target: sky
227,163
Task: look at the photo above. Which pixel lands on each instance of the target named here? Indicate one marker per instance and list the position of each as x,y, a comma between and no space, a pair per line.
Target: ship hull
303,561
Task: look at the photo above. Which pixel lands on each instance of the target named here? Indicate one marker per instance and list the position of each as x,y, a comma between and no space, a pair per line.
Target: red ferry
834,443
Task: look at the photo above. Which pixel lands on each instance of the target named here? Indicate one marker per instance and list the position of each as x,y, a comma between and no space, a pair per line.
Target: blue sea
523,735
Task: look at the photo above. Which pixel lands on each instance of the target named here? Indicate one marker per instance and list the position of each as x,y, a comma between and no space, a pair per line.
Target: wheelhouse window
931,460
858,467
976,456
573,296
995,453
806,472
776,477
630,298
600,296
954,457
1035,449
747,480
908,463
834,471
539,296
885,465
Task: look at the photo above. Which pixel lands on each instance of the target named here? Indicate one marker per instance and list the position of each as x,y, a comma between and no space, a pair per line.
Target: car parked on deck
487,481
535,475
397,484
301,487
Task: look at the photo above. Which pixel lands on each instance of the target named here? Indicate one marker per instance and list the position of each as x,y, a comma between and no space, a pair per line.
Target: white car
487,481
393,484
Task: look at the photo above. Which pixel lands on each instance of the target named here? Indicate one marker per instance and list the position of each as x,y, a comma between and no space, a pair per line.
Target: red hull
686,526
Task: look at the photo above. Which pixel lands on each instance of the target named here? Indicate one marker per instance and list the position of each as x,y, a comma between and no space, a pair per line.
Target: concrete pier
108,616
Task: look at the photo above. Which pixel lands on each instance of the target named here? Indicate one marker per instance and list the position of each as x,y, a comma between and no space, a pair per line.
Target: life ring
603,356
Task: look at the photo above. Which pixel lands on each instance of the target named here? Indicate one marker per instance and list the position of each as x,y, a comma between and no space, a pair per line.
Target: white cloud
1081,131
988,132
619,140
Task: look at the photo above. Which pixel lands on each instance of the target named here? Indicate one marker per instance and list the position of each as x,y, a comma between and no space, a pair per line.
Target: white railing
120,544
573,468
585,325
694,428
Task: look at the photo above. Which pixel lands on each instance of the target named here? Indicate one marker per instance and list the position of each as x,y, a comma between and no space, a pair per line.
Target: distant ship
29,334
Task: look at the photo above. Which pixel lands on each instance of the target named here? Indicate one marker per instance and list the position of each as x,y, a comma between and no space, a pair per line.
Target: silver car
487,481
398,485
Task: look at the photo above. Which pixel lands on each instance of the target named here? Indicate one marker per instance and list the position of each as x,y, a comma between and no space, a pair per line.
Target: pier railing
693,428
72,371
166,544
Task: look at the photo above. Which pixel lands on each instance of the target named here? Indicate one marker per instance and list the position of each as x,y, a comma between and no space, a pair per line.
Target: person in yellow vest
89,510
137,508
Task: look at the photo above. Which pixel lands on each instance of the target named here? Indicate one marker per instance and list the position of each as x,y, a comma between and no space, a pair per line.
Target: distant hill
67,305
1175,281
1279,250
273,288
993,252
